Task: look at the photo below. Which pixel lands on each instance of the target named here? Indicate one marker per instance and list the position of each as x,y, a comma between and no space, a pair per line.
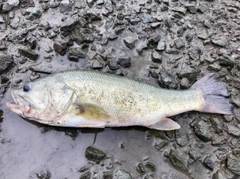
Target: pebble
28,53
156,57
129,42
5,62
75,53
94,154
122,174
233,164
125,61
177,160
220,40
202,131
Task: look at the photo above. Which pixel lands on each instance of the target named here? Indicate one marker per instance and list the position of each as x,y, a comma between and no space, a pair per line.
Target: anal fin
165,124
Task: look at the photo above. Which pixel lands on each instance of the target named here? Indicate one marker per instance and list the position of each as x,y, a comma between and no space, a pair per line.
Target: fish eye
26,88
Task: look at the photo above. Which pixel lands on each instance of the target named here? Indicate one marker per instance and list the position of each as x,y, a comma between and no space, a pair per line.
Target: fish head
43,100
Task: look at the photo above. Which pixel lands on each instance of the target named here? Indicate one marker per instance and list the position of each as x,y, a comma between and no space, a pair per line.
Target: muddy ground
169,43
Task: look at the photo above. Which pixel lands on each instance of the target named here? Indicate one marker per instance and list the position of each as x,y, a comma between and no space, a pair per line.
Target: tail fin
214,94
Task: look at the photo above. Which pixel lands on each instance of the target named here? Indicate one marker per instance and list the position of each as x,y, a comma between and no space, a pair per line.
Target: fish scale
82,98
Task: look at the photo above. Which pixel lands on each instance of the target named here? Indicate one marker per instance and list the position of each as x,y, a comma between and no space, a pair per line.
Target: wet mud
167,43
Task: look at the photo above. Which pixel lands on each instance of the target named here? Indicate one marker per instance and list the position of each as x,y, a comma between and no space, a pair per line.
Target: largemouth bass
97,100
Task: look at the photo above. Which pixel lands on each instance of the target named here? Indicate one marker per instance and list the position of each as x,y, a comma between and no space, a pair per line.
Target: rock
28,53
217,125
129,42
86,175
226,60
75,53
107,175
54,4
97,64
65,6
9,5
233,164
27,3
45,174
208,163
156,57
220,40
33,13
141,169
113,64
145,17
189,37
167,80
179,43
214,67
202,131
122,174
185,83
108,6
5,62
90,2
194,52
153,40
221,174
15,22
182,10
125,62
150,167
67,26
177,161
189,72
234,130
94,154
182,138
160,143
60,47
161,46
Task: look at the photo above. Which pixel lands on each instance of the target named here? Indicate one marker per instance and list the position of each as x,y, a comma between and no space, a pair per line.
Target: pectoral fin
91,112
165,124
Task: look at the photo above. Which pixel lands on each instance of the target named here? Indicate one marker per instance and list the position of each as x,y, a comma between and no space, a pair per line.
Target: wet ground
168,43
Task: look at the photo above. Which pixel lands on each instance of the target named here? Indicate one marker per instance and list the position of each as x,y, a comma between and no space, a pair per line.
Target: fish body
93,99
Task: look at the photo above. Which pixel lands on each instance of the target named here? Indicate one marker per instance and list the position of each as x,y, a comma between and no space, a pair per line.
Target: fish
93,99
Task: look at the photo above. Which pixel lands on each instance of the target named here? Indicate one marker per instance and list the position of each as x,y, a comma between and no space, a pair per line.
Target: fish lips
21,105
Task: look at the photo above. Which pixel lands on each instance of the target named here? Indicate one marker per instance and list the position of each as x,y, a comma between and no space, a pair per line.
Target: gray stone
109,6
233,164
182,10
145,17
179,43
44,174
217,125
208,163
161,46
15,22
67,26
214,67
65,6
28,53
182,138
153,40
220,40
1,20
122,174
194,52
86,175
178,161
9,5
125,62
113,64
234,130
5,62
156,57
226,60
75,53
129,42
167,80
202,131
33,13
60,47
97,64
189,72
160,143
94,154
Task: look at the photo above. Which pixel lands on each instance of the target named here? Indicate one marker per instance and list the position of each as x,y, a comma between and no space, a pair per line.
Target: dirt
168,43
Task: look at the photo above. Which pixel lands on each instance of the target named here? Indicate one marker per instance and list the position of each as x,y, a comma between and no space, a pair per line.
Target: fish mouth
20,105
